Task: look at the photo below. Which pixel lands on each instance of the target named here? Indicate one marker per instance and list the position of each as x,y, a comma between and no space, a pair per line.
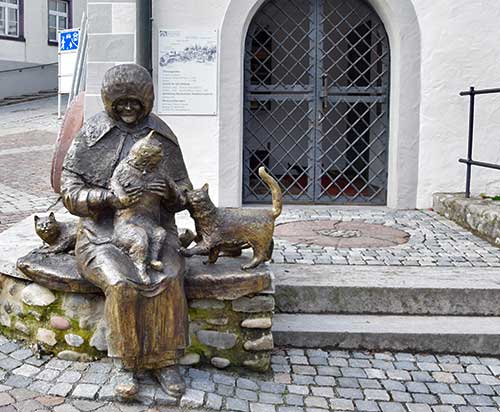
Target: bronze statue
120,197
228,230
137,226
125,177
58,237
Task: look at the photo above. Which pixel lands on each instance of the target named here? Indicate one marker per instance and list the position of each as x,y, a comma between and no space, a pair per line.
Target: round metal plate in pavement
340,234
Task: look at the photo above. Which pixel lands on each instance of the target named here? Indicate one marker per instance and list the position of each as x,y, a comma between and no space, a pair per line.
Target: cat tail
275,191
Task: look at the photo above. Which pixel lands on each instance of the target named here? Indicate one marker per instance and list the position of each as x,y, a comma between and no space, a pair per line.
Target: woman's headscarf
127,81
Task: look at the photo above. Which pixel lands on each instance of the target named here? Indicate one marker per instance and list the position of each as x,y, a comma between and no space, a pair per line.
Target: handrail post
75,82
470,142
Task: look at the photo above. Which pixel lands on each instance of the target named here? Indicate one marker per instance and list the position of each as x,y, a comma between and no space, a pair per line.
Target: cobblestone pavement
27,136
434,240
35,115
302,381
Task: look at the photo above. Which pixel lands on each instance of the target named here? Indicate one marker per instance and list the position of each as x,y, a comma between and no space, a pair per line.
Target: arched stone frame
402,28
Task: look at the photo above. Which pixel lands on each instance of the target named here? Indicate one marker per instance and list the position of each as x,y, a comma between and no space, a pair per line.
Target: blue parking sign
68,40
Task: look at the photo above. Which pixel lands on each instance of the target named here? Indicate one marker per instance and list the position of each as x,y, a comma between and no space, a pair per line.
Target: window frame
69,17
20,22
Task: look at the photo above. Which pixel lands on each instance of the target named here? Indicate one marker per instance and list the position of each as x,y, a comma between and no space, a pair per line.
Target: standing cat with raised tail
228,230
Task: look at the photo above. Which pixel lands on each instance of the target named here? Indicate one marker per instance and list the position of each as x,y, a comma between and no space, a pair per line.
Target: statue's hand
124,202
132,195
164,187
160,187
125,198
112,200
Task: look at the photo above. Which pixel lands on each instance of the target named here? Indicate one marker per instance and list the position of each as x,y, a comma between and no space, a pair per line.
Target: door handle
324,80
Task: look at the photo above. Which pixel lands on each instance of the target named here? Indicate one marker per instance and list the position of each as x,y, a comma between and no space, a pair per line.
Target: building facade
28,43
345,102
28,29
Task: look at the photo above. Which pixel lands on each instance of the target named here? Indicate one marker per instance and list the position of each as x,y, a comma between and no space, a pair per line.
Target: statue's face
129,110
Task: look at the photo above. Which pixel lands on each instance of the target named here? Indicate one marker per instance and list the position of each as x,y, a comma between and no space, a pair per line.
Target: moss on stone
45,314
35,317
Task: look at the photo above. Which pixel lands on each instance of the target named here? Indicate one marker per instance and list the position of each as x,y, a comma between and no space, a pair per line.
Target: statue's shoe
171,380
127,385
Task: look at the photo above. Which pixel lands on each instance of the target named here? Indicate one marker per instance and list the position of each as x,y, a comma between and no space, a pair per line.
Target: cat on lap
139,188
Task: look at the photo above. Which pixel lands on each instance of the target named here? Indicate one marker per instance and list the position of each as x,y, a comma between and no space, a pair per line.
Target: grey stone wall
111,42
17,83
480,216
223,332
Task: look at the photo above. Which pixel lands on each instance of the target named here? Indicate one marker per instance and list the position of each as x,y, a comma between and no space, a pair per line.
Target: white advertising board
187,72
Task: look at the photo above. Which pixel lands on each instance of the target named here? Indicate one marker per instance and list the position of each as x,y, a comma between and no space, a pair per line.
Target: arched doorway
316,102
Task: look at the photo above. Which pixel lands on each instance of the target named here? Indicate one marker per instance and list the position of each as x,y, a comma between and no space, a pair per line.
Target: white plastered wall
198,135
460,48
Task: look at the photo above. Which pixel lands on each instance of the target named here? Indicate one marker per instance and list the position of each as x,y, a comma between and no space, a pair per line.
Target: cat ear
205,187
36,218
52,216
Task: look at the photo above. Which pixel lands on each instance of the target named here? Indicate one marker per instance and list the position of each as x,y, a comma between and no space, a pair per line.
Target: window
9,18
58,18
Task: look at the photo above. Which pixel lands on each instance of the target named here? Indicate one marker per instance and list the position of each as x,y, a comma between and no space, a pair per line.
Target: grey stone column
111,42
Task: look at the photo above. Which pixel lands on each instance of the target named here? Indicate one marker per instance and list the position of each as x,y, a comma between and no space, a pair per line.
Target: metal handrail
20,69
472,93
80,61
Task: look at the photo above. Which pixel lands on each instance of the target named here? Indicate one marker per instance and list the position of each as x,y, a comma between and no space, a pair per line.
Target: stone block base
480,216
69,325
230,316
231,332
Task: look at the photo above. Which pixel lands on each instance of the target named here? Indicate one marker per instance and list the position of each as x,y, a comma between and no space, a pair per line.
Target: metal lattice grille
316,102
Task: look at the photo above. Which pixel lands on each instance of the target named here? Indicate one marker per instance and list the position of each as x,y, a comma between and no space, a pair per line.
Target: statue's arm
81,199
177,200
184,184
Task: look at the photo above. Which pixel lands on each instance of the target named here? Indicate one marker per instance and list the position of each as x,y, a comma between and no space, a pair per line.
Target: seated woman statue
147,320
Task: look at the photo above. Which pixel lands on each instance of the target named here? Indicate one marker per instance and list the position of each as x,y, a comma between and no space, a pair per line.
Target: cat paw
185,252
250,265
157,265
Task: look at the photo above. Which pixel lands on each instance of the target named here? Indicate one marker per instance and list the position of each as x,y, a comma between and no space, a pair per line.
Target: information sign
187,72
68,41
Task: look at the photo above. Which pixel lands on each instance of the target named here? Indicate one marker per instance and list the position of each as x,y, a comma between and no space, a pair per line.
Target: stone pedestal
230,311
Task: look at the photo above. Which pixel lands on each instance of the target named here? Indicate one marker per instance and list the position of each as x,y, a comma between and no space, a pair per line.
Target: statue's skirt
147,324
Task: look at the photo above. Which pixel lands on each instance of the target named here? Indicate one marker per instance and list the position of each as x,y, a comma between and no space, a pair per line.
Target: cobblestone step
435,334
387,290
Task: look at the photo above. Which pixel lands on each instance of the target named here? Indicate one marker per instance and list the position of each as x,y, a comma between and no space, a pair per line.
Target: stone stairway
417,309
